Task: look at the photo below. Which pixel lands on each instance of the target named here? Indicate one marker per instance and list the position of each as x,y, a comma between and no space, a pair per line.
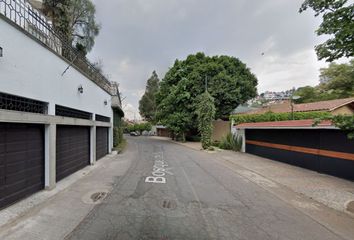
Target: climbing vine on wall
206,113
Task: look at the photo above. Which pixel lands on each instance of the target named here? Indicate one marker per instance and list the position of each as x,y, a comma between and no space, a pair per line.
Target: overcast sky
139,36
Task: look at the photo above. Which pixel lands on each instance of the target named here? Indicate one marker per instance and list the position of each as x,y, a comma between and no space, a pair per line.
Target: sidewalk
50,215
333,192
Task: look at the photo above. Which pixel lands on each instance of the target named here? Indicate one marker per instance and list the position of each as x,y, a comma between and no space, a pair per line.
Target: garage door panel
21,161
2,146
15,176
73,149
12,196
71,165
2,159
16,157
33,171
16,169
101,142
2,193
16,146
16,187
2,178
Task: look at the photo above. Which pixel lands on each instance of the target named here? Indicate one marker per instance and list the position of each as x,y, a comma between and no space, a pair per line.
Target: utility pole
206,83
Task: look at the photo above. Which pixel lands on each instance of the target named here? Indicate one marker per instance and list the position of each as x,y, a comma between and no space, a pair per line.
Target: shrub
231,142
273,117
343,122
117,136
193,138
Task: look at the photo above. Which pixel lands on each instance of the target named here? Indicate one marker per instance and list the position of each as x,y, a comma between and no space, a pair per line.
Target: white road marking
159,170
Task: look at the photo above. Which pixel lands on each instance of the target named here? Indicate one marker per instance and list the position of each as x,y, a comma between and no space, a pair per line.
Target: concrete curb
11,214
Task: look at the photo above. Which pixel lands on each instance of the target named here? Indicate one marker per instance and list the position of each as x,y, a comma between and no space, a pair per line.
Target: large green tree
229,82
338,23
147,104
75,20
340,84
340,78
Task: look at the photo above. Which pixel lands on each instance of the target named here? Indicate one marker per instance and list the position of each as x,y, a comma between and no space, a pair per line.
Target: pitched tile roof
329,105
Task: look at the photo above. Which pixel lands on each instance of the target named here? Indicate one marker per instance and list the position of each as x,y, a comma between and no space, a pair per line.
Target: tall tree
229,82
58,12
147,104
340,84
338,22
75,20
341,78
84,27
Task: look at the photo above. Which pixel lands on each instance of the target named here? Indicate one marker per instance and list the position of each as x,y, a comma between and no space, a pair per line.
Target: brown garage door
101,142
21,161
73,150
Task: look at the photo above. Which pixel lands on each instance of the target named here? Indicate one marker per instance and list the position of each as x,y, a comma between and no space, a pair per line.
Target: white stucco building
56,111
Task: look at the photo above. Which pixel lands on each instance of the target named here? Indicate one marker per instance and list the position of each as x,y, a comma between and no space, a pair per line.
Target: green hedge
273,117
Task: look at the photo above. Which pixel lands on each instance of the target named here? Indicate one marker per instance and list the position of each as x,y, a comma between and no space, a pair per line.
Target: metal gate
323,150
73,150
101,142
21,161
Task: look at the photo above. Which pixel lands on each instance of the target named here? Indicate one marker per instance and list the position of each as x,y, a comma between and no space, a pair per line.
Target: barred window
102,118
70,112
21,104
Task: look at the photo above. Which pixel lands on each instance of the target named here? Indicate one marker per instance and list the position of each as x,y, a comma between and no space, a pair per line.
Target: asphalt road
201,199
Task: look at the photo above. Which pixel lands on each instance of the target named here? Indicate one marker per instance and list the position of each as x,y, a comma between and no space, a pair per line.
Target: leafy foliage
343,122
58,11
75,20
117,136
338,22
231,142
340,84
272,117
206,113
230,83
147,104
139,127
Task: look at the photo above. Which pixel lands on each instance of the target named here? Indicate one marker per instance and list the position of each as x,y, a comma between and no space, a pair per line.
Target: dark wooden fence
324,150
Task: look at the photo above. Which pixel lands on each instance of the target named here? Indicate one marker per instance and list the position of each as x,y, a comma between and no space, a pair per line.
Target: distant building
283,95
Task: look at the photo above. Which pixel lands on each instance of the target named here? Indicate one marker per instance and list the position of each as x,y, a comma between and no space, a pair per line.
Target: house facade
57,112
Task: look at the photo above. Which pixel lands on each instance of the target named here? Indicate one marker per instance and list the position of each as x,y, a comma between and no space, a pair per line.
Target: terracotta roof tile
323,105
304,107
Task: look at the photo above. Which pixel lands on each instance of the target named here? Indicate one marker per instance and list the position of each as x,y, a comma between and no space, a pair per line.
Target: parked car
135,134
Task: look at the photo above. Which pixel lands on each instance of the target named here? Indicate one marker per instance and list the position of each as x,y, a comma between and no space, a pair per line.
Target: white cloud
131,112
139,36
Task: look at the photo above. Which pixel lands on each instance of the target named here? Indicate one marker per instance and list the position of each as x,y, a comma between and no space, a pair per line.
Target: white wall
30,70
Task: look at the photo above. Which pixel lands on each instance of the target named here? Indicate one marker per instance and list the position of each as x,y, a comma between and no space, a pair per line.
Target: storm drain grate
98,196
168,204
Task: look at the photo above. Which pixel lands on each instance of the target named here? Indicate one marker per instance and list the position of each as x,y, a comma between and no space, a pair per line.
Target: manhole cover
95,196
168,204
350,207
98,196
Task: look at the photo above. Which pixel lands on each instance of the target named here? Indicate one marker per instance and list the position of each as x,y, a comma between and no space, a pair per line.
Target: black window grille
102,118
21,104
70,112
